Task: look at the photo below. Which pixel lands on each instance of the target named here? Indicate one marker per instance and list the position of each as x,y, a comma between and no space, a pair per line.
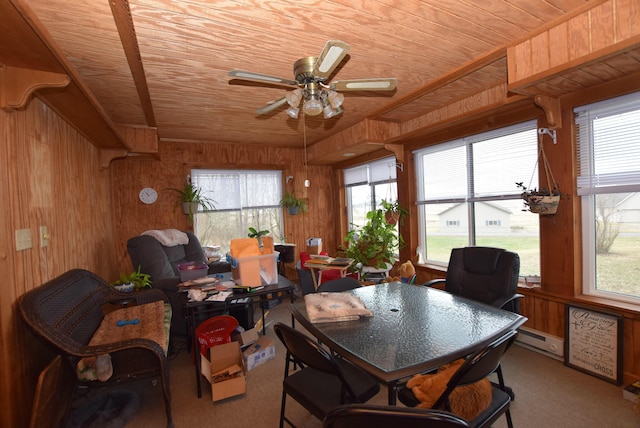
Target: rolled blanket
168,237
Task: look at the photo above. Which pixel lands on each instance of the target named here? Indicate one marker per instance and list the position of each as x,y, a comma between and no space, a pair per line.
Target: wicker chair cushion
150,316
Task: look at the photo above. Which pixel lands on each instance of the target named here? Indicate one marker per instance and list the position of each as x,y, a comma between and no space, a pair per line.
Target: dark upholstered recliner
485,274
161,263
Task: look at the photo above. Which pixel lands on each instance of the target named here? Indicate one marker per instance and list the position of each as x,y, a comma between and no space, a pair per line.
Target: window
467,195
367,185
609,186
243,199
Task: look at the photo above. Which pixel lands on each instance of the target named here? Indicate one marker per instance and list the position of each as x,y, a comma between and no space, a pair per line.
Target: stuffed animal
407,271
466,401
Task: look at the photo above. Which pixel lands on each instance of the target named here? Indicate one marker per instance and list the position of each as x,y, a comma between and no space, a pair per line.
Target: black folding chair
322,381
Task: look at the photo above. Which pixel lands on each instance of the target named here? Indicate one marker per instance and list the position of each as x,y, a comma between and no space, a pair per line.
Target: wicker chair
66,312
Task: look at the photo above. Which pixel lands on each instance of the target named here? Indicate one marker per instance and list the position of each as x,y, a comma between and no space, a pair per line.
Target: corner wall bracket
550,132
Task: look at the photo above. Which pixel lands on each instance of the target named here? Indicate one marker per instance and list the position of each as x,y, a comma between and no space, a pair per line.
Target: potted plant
393,212
543,201
258,234
191,198
373,244
135,281
293,204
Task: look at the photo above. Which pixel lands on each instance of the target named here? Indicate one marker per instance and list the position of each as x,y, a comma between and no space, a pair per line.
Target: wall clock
148,195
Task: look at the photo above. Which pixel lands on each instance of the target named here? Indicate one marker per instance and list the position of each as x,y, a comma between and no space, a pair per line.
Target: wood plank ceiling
164,63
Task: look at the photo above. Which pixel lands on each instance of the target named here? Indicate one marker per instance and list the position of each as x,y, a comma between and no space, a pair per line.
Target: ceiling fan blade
249,75
332,54
387,84
271,106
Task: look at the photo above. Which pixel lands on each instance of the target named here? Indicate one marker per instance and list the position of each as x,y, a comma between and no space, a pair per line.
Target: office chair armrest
502,302
433,282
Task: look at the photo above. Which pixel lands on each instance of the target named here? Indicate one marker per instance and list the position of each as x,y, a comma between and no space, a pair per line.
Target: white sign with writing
593,342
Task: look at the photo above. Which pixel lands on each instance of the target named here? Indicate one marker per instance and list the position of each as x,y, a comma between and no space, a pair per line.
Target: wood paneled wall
49,176
128,176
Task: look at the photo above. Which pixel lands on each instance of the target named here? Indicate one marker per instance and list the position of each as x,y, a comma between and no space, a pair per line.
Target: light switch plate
23,239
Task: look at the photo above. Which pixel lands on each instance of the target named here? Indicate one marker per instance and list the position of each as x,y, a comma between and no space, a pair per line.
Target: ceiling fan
311,76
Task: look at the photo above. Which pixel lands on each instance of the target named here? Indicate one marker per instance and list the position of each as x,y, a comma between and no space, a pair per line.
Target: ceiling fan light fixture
293,112
335,99
294,97
312,106
329,112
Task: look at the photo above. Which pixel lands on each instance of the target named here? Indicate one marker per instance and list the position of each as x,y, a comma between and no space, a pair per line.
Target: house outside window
243,199
467,195
366,186
608,184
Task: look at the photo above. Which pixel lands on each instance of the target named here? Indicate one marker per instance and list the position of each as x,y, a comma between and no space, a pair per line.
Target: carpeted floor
548,394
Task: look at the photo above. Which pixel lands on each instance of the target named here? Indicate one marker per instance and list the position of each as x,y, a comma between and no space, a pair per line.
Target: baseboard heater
544,343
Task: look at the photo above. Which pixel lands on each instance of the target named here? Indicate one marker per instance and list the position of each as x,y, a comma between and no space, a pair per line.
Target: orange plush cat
466,401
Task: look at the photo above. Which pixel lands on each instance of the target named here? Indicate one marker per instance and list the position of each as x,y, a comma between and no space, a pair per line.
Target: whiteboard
593,342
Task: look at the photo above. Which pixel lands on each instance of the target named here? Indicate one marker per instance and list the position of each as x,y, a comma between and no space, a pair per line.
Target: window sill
630,310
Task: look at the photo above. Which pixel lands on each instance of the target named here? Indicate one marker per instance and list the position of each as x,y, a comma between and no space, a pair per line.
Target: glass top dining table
413,329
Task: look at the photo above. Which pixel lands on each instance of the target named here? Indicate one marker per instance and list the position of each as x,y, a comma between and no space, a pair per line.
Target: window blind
608,146
237,189
373,172
480,166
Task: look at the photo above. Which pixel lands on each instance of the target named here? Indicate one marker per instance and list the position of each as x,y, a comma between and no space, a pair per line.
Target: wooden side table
314,266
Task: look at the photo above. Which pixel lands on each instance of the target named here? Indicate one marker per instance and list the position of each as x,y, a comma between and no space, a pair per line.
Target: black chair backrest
307,352
478,366
484,274
373,416
339,284
306,281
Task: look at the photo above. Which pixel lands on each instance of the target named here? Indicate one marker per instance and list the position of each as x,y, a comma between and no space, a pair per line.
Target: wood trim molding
18,84
107,155
552,110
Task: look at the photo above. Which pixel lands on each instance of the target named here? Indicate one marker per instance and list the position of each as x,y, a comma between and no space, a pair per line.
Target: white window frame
470,197
374,173
232,197
591,182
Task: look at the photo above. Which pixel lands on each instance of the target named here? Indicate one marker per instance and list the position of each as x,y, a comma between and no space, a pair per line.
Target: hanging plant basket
542,204
543,201
392,217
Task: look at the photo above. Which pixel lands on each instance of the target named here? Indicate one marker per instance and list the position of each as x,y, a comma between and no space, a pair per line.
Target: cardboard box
256,270
314,245
246,337
258,353
225,372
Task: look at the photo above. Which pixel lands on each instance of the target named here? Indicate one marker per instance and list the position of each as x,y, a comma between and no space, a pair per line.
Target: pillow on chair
466,401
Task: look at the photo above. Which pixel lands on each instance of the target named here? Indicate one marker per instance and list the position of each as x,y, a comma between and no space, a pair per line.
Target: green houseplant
258,234
393,212
293,204
135,281
373,244
191,198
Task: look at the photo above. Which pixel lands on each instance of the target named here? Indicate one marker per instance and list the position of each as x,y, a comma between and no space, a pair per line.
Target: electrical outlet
23,239
44,236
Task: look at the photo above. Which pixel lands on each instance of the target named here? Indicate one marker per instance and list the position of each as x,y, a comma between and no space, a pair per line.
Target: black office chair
373,416
339,284
485,274
477,367
322,382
